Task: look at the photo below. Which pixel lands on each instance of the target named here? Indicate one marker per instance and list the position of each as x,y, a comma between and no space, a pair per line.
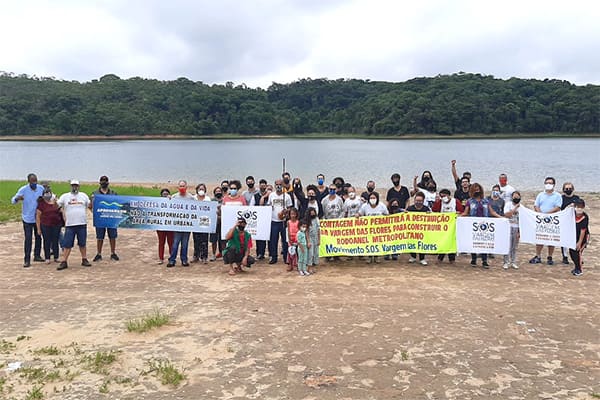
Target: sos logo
484,227
247,215
547,219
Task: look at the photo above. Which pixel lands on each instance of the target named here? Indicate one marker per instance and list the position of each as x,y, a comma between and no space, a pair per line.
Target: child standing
582,235
293,225
511,211
314,238
302,250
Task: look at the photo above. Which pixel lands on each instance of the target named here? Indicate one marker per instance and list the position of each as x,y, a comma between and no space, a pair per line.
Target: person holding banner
447,204
279,203
164,236
478,206
582,236
200,238
100,232
546,202
511,211
237,251
181,238
373,207
418,206
568,198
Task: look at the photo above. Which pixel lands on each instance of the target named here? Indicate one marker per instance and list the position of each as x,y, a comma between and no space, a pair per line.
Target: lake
526,161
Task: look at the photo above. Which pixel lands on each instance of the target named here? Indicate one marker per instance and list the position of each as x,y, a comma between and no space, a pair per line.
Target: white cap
74,182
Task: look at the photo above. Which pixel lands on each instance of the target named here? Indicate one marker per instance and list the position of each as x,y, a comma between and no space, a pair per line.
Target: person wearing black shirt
568,198
398,192
418,206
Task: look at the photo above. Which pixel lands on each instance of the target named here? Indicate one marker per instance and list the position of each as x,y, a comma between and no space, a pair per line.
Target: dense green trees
448,104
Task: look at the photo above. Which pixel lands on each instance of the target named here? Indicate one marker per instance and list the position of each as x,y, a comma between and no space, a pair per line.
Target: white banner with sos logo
556,229
258,220
482,235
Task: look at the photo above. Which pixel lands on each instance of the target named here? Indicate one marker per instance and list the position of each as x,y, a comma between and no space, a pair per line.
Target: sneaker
38,259
114,257
26,264
423,262
205,261
473,263
170,264
85,263
412,260
185,264
549,261
505,265
485,265
370,260
565,260
386,258
395,257
515,266
272,261
578,273
160,262
535,260
97,258
261,257
212,258
62,265
195,260
306,273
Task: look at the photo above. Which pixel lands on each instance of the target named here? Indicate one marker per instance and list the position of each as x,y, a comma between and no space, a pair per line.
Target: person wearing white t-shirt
74,207
511,211
373,207
279,202
506,190
352,204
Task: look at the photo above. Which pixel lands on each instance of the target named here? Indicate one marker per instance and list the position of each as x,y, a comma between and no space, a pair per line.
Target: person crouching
237,251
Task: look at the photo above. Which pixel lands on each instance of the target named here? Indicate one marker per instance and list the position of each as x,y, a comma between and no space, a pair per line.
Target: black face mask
396,183
311,198
338,185
477,194
241,227
517,200
224,189
250,185
103,185
218,195
370,189
568,192
286,180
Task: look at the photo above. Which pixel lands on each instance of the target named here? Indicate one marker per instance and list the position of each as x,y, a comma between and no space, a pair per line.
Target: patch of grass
149,321
595,395
75,349
23,337
98,362
2,383
35,393
6,346
166,372
33,373
104,387
49,351
404,355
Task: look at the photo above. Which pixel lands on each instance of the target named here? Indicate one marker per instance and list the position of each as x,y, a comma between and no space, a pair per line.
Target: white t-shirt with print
75,206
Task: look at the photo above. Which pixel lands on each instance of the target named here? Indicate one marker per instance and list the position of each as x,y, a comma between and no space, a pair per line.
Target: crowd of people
295,214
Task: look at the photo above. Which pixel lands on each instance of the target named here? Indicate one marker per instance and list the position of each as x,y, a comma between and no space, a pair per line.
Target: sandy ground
352,331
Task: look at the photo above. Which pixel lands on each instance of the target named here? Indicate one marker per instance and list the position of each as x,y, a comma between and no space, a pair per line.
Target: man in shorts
74,207
104,189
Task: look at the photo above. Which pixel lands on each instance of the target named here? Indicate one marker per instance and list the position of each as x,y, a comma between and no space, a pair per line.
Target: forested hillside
449,104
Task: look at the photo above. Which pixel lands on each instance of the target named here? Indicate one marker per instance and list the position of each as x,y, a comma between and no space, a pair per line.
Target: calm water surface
526,161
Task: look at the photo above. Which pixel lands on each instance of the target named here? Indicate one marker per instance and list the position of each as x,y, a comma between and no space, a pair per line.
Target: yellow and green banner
409,232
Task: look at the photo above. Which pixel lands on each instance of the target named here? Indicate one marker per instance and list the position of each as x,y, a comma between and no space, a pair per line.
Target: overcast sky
258,42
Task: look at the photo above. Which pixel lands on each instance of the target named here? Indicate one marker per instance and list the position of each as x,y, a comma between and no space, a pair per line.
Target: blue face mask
320,181
33,186
232,192
332,191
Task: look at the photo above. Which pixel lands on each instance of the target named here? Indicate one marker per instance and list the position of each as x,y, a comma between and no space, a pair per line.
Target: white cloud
262,41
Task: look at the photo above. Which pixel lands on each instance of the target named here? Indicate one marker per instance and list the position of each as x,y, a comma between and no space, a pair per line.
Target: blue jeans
182,238
51,235
278,230
30,230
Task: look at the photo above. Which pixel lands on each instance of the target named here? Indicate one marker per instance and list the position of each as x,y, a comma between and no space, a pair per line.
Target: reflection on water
526,161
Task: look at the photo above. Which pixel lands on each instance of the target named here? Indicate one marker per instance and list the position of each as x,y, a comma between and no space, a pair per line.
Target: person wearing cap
237,251
74,207
104,189
29,195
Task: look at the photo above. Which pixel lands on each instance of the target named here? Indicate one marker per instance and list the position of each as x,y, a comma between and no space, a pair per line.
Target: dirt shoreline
352,331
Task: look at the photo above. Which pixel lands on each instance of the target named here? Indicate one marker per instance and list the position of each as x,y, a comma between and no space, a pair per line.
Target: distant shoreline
92,138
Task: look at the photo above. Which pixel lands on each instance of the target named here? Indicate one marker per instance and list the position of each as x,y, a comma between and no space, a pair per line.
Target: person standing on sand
29,195
582,235
370,189
251,192
101,232
314,238
74,208
568,198
215,238
462,192
418,206
201,238
373,207
397,192
279,202
234,196
322,189
181,238
457,179
303,245
511,211
447,204
49,221
506,190
547,202
164,236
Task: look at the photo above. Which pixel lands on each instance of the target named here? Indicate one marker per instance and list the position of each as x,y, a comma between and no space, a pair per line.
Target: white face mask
373,201
548,186
201,193
578,210
303,229
352,195
446,199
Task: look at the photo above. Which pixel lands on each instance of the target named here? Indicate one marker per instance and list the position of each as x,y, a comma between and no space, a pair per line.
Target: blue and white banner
155,213
556,229
482,235
258,220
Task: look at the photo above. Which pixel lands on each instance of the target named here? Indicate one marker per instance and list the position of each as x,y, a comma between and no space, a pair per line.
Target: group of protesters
296,212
